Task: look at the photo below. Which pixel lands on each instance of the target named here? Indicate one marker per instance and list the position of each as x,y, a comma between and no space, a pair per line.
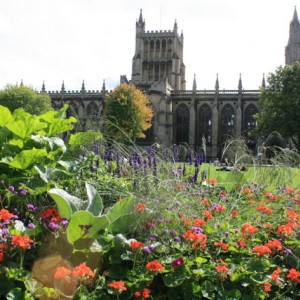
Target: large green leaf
123,224
121,208
84,225
66,203
25,124
26,158
175,278
5,116
95,204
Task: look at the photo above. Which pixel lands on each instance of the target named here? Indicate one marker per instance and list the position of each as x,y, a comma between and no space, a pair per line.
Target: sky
94,40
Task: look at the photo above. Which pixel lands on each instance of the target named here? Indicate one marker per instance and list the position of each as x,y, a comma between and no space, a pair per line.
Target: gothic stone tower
292,50
158,69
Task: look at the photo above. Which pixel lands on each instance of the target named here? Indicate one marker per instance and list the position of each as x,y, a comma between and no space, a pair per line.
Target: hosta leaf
66,203
95,204
84,225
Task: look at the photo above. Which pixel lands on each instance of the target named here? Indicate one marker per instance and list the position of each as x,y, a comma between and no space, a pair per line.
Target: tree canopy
127,112
14,96
280,103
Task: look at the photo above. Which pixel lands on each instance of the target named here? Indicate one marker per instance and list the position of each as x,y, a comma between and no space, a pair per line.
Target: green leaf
26,158
123,207
32,285
66,203
6,116
15,294
258,266
122,224
200,260
95,204
24,124
175,278
84,225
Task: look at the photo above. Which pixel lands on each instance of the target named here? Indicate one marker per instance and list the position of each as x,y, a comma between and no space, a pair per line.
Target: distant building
182,116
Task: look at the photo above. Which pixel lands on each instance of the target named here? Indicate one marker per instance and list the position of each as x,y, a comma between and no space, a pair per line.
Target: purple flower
173,231
53,226
177,239
64,222
31,226
198,230
11,188
178,262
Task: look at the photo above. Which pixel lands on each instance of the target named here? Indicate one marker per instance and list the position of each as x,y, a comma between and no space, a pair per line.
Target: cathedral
189,117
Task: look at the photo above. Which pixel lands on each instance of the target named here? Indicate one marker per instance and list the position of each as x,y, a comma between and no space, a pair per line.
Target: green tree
14,97
280,104
127,113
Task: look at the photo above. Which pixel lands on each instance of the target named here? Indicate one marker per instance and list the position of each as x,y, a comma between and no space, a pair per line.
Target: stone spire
240,86
103,86
140,23
292,50
175,26
295,16
82,87
63,87
194,83
263,83
43,87
217,86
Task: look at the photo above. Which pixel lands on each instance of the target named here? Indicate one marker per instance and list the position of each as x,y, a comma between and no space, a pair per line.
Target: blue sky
92,40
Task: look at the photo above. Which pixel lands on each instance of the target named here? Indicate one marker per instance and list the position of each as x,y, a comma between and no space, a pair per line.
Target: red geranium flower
154,266
294,275
136,245
140,206
261,250
5,215
118,286
83,270
21,241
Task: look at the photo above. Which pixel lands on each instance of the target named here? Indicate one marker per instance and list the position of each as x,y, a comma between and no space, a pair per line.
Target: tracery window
249,122
204,124
182,124
92,110
227,122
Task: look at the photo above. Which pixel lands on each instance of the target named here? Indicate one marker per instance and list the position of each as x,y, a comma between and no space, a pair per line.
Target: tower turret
292,50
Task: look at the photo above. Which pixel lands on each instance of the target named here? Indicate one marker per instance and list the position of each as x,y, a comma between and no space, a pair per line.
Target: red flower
234,213
83,270
207,214
261,250
62,272
294,275
275,274
178,262
222,245
199,222
5,215
285,229
267,287
140,206
222,269
137,294
154,266
248,229
146,293
118,286
21,241
136,245
264,209
212,181
1,257
274,245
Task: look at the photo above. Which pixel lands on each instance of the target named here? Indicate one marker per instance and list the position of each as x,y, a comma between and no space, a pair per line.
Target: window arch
146,45
72,110
249,123
227,122
163,48
182,124
204,124
92,110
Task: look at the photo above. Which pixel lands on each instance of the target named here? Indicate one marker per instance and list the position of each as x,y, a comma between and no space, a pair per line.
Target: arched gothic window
182,124
92,110
146,45
204,124
72,110
249,124
227,122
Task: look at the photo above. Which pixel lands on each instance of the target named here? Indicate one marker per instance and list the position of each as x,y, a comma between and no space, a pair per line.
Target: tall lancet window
249,122
204,124
227,122
92,110
182,124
